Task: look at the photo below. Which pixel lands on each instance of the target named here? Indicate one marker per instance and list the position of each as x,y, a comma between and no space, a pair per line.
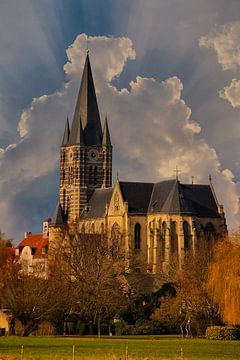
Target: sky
167,72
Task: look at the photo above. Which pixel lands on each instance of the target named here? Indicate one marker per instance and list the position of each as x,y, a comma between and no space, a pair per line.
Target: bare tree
88,263
32,299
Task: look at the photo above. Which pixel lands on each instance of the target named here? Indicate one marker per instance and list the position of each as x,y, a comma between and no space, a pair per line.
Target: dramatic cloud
150,124
225,42
232,93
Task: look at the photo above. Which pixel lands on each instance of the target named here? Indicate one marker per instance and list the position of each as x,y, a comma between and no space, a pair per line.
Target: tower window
76,154
137,236
95,176
90,175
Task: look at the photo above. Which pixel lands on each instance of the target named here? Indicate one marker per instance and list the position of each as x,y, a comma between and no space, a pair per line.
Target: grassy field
155,347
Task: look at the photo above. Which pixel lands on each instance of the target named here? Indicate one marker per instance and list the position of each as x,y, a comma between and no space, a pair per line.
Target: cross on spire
192,177
177,172
87,45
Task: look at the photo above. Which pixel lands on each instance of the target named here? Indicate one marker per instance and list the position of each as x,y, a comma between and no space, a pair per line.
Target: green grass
152,347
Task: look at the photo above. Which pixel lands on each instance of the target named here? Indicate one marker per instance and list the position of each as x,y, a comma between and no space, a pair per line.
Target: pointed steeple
58,218
106,141
86,110
66,134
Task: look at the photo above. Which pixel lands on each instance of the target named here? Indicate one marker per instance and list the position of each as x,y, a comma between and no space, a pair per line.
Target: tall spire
66,134
106,141
86,110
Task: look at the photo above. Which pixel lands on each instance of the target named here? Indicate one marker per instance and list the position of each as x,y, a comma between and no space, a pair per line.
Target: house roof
36,242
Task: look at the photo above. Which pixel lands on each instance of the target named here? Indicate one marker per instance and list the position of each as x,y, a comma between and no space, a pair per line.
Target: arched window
163,247
137,236
210,232
95,176
102,228
116,239
116,202
187,236
90,175
174,238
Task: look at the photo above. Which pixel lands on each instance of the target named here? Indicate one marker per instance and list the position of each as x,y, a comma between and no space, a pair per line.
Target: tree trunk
29,327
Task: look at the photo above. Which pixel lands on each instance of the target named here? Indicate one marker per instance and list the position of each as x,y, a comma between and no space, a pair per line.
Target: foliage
223,333
142,306
32,300
96,293
224,279
144,327
191,302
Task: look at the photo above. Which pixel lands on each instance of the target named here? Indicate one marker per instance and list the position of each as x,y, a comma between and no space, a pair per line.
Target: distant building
157,221
32,254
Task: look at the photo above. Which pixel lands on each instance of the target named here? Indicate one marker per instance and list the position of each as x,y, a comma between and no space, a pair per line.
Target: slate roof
137,195
58,218
86,111
169,196
172,197
97,204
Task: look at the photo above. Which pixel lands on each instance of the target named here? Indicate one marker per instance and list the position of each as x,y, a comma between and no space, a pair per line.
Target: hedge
223,333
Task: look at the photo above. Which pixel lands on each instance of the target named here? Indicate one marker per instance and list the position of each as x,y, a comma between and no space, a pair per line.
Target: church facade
152,221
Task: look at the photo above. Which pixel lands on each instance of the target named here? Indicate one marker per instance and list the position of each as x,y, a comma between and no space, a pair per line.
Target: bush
223,333
144,327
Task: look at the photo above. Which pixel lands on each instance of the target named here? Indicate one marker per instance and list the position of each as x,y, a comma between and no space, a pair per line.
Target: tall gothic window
174,238
187,236
209,232
137,236
164,235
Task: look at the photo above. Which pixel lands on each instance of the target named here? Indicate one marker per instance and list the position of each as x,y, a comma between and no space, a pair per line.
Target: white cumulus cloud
232,93
150,124
225,42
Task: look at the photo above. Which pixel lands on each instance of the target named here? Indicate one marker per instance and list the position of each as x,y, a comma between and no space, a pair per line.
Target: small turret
66,134
106,141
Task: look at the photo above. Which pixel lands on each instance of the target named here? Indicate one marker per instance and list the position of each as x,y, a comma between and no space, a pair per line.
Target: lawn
151,347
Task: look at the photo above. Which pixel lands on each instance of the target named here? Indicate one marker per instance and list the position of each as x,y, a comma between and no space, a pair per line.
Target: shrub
223,333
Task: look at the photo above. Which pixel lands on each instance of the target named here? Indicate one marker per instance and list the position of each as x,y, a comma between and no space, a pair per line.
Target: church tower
86,151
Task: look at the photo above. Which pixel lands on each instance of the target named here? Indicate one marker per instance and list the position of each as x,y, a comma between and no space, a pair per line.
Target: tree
87,262
191,303
32,299
224,279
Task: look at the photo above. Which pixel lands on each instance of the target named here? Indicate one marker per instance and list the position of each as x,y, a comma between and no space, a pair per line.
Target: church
155,221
